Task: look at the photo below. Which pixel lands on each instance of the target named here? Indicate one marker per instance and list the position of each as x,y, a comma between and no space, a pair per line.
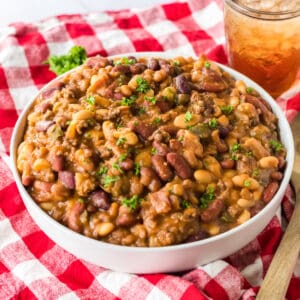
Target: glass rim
262,14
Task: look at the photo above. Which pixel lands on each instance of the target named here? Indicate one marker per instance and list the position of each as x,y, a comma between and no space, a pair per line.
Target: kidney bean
270,191
57,162
256,208
137,68
223,132
199,235
281,163
150,179
47,93
161,202
125,217
164,106
153,64
175,145
277,175
67,179
170,70
123,69
73,216
144,130
27,180
127,164
97,62
212,211
161,167
118,96
100,199
161,149
43,125
227,163
183,85
180,165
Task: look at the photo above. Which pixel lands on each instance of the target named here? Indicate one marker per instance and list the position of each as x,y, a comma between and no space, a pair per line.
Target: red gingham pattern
34,267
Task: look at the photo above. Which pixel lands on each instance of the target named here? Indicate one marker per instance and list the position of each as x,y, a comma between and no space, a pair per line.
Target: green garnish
207,64
101,171
226,109
81,200
117,167
180,139
128,101
275,145
90,100
90,122
124,61
188,116
185,204
119,125
143,86
142,110
55,132
132,202
108,180
176,63
207,197
157,120
153,151
121,141
249,90
213,123
63,63
255,172
137,169
122,157
150,99
247,183
233,151
87,135
249,153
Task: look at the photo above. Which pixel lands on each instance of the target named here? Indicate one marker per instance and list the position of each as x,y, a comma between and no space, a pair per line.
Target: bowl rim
64,229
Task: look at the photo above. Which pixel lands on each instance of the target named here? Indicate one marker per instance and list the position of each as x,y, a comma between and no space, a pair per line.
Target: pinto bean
97,62
227,163
161,149
164,105
44,106
183,85
67,179
57,162
100,199
277,175
161,202
153,64
212,211
270,191
43,125
27,180
56,86
144,130
73,216
180,165
127,164
118,96
281,162
125,217
175,145
161,167
212,82
200,235
150,179
121,68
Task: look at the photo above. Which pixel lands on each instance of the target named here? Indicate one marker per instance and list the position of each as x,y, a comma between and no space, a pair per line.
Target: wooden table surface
296,170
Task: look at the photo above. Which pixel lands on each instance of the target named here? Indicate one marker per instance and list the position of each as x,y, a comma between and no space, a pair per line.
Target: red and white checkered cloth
34,267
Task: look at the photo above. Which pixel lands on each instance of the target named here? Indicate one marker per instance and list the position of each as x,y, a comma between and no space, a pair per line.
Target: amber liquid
267,51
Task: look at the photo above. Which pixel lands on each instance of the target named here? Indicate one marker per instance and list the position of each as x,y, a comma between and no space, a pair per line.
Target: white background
33,10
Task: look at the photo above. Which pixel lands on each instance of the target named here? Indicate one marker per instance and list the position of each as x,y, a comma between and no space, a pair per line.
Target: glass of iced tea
263,41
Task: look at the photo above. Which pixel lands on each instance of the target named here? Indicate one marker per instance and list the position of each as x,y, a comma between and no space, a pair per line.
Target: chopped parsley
153,151
90,100
188,116
207,64
119,125
247,183
142,110
255,172
117,167
249,90
185,204
275,145
157,120
213,123
207,197
143,86
81,200
137,169
233,151
128,101
176,63
108,180
121,141
122,157
227,110
101,171
125,61
150,99
63,63
249,153
180,139
132,202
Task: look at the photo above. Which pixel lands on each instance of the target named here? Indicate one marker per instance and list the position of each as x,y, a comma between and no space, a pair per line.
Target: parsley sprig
143,86
207,197
275,145
188,116
132,202
128,101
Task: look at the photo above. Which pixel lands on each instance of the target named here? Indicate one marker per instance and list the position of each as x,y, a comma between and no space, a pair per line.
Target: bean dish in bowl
151,151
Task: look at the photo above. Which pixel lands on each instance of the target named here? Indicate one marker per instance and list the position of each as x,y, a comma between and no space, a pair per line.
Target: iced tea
263,41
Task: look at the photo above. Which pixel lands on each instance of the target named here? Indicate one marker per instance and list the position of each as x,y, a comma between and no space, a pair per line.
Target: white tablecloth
33,10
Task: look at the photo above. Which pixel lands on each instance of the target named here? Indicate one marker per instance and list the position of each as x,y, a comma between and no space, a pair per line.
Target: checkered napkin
31,265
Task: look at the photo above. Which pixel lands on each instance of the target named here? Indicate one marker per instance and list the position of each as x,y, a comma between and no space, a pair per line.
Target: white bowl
162,259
